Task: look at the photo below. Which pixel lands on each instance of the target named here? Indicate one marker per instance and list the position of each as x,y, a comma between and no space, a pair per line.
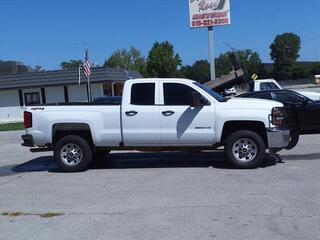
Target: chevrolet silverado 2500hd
158,114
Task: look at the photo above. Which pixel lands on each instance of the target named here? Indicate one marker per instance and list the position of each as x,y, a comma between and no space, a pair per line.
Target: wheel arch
256,126
60,130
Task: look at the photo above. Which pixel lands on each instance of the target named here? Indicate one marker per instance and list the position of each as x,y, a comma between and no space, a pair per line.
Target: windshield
212,93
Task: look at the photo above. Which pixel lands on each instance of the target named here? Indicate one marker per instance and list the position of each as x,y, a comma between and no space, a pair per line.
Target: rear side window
177,94
289,98
142,93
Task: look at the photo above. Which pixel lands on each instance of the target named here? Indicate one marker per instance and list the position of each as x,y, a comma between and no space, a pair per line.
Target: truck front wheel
73,153
294,139
245,149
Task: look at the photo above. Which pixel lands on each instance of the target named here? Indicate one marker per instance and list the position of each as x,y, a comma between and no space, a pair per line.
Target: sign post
209,13
211,53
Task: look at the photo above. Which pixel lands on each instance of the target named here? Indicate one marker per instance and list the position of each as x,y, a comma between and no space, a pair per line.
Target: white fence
11,114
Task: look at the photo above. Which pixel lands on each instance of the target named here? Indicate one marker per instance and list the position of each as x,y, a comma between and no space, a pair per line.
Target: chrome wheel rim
71,154
244,150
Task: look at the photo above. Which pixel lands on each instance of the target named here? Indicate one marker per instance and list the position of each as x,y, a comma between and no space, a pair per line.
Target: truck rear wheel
245,149
73,153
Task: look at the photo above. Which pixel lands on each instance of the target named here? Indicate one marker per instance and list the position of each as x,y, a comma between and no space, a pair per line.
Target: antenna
229,46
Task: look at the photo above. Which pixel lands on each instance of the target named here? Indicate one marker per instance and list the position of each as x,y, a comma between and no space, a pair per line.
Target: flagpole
89,89
86,67
79,75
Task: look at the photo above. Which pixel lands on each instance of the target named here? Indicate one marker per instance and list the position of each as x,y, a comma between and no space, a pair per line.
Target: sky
47,32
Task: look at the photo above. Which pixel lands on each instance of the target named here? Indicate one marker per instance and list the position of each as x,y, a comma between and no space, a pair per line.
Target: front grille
291,117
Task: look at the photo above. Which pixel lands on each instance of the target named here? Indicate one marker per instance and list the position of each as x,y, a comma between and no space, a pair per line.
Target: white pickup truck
269,84
158,115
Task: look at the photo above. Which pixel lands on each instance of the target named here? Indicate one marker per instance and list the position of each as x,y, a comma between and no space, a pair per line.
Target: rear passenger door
140,115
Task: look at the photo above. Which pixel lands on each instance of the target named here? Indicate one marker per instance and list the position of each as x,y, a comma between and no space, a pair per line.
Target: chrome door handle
131,113
167,113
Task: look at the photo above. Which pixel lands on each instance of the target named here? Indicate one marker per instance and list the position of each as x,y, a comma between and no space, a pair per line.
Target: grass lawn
11,126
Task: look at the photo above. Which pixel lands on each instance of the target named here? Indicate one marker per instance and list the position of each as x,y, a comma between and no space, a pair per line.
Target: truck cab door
140,114
309,115
182,124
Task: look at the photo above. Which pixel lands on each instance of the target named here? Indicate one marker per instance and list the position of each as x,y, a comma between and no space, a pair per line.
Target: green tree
223,64
315,69
199,71
284,53
185,72
162,60
127,59
299,72
71,65
254,65
267,70
249,61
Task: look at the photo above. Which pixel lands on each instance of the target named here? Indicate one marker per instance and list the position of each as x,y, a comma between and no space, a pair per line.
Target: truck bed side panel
103,121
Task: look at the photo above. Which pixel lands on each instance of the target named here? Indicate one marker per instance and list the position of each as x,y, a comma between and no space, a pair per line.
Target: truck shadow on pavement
138,160
310,156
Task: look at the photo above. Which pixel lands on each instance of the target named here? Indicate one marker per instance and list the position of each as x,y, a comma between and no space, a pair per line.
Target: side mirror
198,100
305,102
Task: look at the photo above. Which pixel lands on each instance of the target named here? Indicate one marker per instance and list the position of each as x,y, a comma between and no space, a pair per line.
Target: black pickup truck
306,111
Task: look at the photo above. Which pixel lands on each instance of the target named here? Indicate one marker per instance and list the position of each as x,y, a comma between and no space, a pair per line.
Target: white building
19,90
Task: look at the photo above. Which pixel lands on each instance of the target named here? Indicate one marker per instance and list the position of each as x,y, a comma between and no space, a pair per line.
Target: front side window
273,86
268,86
177,94
32,98
142,93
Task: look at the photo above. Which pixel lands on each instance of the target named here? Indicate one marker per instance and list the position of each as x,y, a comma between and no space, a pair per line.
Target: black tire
256,150
83,148
294,139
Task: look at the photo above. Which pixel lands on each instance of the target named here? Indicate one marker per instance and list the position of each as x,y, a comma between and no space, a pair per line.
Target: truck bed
104,119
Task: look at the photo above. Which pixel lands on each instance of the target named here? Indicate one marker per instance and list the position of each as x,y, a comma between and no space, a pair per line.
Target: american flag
86,64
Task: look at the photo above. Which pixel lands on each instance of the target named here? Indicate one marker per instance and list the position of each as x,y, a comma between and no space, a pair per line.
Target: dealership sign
206,13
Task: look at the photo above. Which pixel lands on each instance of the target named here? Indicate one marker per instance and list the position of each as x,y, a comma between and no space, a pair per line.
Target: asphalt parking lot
159,196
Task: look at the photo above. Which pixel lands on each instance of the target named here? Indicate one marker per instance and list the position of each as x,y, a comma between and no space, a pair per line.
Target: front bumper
278,137
27,140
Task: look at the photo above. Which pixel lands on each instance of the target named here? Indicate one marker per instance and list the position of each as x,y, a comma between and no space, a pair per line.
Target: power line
310,39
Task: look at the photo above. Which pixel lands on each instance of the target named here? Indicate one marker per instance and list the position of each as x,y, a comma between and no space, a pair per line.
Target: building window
32,98
118,88
107,89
